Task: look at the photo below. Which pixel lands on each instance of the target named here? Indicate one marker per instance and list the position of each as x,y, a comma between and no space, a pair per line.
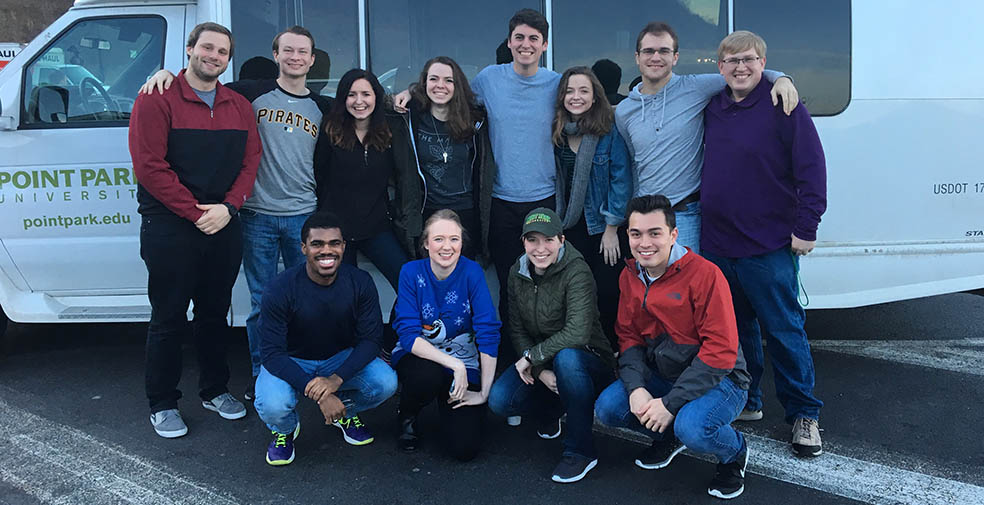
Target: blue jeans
764,291
266,239
688,226
383,250
276,399
702,424
580,376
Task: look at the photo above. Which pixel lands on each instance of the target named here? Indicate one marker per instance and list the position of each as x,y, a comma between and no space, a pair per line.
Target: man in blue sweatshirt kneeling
321,329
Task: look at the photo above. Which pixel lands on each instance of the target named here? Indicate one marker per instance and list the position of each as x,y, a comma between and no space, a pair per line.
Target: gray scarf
570,212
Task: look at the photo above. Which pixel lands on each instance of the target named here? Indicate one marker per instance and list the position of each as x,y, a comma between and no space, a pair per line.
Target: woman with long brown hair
443,155
594,181
354,172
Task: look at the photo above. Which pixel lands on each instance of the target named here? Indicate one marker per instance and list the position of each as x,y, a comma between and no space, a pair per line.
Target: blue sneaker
354,431
281,449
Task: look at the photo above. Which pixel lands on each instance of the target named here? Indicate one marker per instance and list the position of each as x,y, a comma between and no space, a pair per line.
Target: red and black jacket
185,153
680,326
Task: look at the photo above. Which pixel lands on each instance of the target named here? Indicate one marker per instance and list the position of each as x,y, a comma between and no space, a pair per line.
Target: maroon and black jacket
186,154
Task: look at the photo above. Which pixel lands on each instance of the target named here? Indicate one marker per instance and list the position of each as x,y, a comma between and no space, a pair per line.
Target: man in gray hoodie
662,122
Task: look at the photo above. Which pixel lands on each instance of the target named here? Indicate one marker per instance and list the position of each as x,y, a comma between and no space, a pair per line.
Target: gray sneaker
227,406
168,423
806,437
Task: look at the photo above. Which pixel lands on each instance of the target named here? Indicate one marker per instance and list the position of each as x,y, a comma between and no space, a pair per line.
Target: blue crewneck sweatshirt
302,319
456,315
521,112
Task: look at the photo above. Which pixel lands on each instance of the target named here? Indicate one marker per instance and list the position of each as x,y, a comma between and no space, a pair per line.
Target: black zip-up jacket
353,183
411,188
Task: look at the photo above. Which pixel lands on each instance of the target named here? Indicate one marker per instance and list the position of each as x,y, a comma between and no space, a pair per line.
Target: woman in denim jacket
594,181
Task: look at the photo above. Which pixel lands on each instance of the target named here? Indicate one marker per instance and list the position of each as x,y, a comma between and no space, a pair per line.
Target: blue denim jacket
609,186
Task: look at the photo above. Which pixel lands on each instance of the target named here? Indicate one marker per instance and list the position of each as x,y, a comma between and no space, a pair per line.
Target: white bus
895,90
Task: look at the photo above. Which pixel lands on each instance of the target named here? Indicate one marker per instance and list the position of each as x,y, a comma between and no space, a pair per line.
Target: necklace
445,147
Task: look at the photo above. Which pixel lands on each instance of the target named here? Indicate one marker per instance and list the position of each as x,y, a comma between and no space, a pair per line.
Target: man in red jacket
195,150
682,374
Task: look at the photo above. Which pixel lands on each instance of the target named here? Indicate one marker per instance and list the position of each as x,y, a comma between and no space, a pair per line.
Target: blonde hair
739,41
443,214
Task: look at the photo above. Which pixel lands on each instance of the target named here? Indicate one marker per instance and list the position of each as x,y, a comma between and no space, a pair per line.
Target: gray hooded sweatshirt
665,133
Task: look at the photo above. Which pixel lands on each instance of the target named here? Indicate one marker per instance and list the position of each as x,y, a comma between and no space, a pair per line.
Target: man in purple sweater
763,190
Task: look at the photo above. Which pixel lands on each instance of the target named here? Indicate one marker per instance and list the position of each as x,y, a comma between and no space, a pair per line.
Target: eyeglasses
663,51
747,60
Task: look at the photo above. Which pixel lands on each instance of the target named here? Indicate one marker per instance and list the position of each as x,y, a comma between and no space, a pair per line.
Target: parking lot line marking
58,464
964,355
843,476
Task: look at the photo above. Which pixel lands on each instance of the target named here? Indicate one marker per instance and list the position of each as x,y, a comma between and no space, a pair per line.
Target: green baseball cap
543,220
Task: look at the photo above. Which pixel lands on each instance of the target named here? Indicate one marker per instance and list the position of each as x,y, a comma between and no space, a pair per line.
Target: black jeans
425,381
505,247
184,264
606,276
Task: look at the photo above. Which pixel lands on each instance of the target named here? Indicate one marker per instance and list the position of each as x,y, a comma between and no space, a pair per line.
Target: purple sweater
764,176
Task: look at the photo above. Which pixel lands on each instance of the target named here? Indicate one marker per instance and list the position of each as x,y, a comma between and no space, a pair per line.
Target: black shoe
549,429
729,481
407,441
572,468
250,393
660,453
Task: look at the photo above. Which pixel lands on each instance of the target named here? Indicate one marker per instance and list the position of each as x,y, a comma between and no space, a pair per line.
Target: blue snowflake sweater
455,315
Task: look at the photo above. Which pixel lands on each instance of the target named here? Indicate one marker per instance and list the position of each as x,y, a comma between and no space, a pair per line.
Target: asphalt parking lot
902,382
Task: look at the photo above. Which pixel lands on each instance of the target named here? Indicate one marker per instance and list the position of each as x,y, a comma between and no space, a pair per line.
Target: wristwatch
232,209
526,356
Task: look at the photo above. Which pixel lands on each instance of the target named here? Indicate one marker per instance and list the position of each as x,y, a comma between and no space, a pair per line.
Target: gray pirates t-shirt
288,125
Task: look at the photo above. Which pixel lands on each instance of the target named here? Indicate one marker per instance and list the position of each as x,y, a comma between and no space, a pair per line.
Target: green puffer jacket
559,311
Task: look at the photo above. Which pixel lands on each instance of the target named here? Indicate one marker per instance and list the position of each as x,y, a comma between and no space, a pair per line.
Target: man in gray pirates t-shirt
288,117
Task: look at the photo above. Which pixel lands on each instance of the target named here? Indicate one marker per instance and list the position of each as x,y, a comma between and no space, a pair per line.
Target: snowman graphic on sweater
461,346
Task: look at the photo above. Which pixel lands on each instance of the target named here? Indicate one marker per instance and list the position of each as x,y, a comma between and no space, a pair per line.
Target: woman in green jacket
566,358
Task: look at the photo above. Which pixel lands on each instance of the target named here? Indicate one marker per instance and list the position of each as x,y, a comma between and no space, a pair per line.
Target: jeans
425,381
764,291
688,226
702,424
581,375
266,239
505,247
184,265
383,250
276,399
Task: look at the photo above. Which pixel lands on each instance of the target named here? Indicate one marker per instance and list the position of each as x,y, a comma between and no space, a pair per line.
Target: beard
196,68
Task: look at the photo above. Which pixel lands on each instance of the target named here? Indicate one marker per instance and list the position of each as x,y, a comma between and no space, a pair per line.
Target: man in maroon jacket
682,377
195,150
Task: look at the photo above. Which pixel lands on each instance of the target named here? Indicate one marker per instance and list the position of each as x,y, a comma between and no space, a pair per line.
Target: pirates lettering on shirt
289,119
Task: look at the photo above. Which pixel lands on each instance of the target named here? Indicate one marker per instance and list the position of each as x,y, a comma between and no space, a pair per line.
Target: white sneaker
749,415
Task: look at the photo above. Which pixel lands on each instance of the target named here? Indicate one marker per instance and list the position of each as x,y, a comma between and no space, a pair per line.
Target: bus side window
91,72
